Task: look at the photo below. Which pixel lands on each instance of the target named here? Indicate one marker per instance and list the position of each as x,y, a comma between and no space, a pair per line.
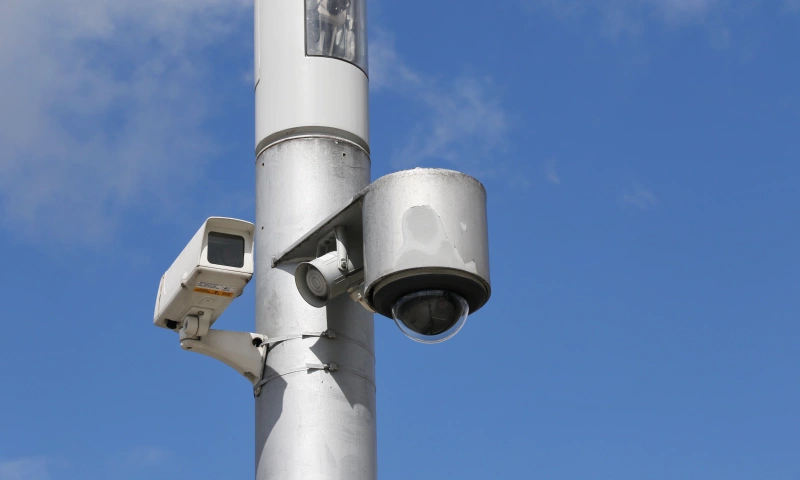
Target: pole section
312,154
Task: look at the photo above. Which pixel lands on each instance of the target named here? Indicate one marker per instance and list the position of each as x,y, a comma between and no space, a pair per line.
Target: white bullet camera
332,273
422,239
210,272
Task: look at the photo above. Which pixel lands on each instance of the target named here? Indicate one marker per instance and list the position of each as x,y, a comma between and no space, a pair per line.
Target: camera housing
425,231
210,272
335,270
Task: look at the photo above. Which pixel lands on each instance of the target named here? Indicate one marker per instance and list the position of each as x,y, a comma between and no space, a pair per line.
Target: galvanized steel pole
312,149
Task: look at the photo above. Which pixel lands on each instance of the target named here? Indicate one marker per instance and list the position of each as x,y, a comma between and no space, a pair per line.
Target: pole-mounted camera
412,246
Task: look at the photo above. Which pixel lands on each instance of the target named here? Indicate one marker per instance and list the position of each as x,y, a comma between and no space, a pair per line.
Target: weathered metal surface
310,423
426,222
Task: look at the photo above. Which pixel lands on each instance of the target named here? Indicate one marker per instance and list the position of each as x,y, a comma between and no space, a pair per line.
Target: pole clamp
284,338
327,367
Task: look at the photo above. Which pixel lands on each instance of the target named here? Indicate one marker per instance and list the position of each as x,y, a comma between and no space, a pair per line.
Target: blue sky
641,160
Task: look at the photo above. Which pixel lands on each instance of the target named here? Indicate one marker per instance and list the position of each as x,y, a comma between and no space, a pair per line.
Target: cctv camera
333,272
211,271
321,280
426,251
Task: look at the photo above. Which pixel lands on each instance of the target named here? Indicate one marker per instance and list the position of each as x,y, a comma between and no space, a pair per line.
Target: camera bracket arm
307,247
336,240
242,351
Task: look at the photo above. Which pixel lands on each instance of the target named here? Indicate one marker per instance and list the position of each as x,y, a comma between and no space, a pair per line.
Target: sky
641,163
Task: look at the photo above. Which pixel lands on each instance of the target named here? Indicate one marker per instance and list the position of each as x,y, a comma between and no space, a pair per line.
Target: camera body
210,272
425,229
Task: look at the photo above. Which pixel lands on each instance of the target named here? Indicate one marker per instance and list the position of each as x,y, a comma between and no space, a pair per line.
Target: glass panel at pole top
337,29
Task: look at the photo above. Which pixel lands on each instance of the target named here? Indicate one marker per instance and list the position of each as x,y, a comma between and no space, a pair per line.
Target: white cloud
104,104
637,196
464,123
550,172
33,468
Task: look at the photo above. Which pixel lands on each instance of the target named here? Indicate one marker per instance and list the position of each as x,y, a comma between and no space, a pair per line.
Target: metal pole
312,147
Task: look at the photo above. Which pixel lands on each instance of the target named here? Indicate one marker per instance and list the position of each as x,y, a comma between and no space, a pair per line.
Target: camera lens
226,250
316,282
430,316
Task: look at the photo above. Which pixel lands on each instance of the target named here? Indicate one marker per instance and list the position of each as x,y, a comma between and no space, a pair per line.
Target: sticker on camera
214,289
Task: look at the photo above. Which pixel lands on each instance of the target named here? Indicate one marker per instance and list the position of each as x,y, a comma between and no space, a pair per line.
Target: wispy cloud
464,125
627,16
550,172
387,71
146,457
31,468
637,196
104,107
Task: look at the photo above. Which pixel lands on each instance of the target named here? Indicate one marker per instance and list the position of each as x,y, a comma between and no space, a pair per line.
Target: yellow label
218,293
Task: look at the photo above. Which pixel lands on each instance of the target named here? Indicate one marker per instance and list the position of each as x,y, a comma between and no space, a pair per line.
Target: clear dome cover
430,316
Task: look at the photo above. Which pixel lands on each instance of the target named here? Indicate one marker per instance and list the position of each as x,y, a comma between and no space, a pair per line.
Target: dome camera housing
426,255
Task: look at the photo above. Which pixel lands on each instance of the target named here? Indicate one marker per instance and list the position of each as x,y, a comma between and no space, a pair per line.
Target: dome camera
430,316
426,251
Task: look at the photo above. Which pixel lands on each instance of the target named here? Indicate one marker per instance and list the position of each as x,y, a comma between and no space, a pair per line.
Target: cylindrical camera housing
425,229
321,279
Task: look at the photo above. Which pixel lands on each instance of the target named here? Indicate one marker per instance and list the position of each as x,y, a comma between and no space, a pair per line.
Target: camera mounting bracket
242,351
307,247
336,239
